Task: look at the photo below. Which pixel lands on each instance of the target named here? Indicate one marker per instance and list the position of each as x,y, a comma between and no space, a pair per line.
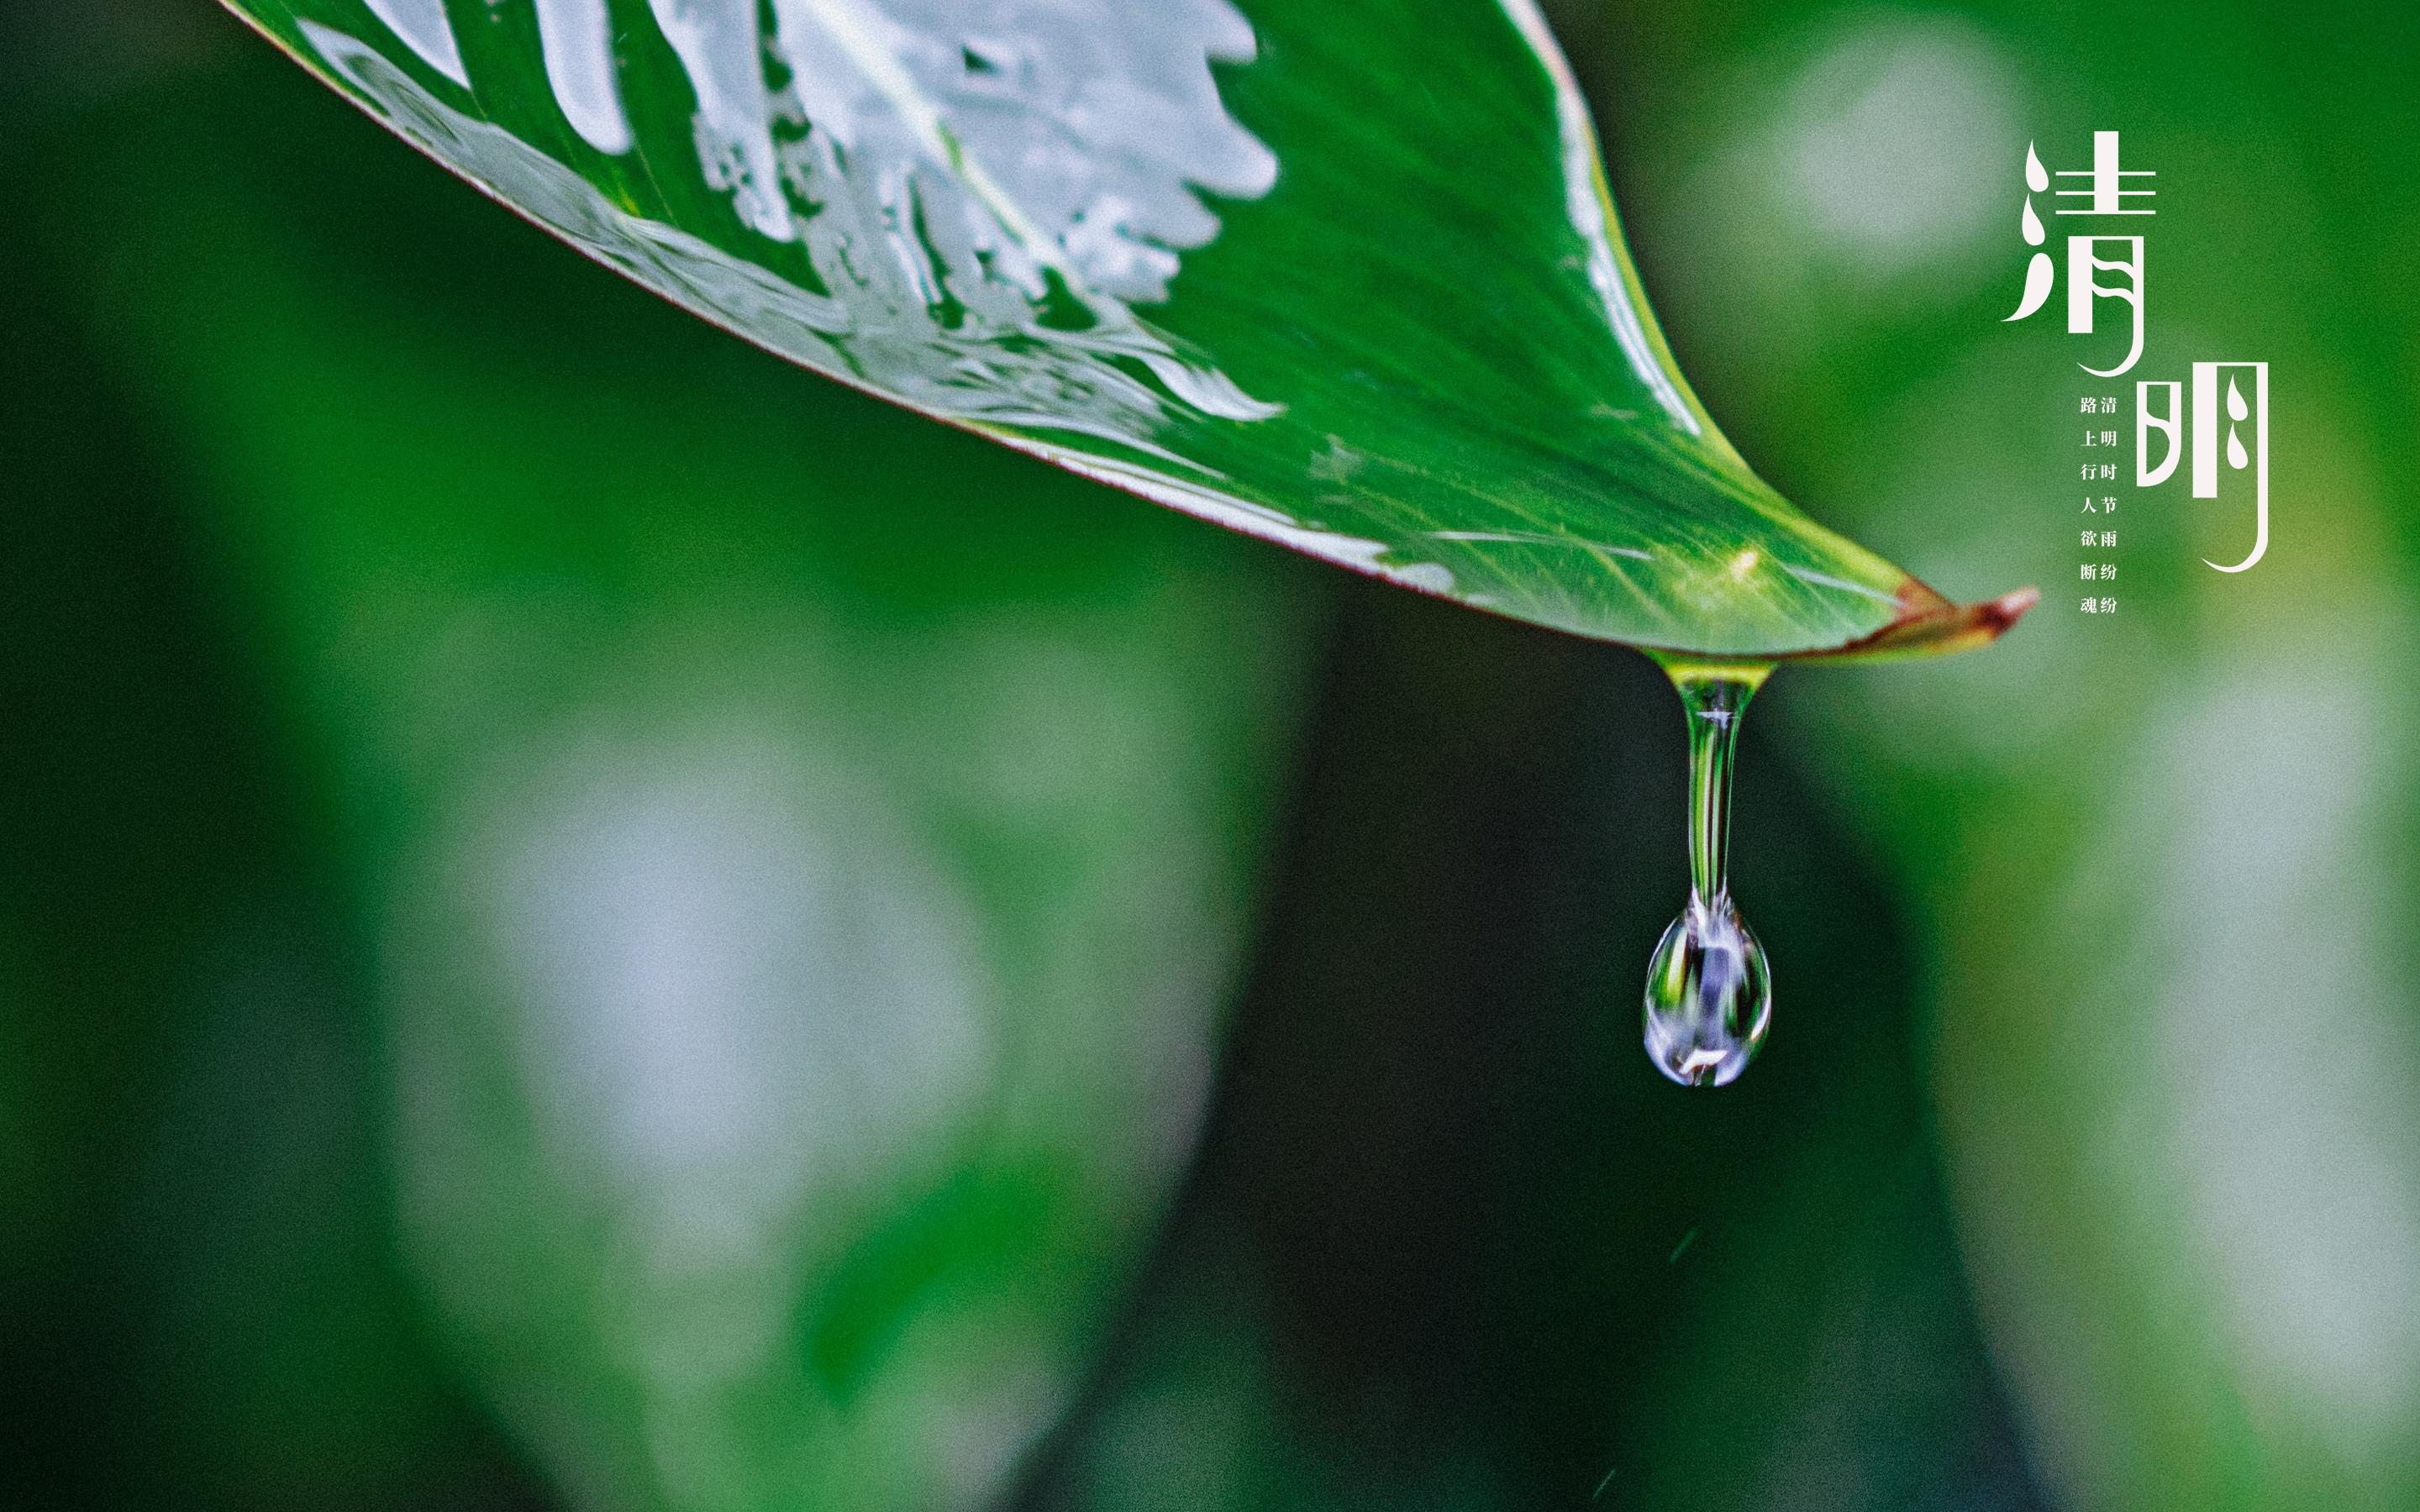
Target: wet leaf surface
1349,281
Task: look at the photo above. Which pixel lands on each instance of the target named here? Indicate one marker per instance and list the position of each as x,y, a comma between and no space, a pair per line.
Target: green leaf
1347,282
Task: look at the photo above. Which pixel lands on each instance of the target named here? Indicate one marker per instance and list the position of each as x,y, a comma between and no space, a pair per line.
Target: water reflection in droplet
1708,995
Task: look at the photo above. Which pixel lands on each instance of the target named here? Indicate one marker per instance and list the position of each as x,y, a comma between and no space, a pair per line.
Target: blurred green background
590,922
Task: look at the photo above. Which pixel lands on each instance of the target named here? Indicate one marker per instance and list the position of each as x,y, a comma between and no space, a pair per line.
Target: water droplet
1709,988
1708,995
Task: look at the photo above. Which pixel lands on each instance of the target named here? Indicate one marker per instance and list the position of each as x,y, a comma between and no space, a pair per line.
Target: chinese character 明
2205,428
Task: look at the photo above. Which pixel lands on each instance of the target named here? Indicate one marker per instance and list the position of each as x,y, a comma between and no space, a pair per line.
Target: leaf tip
1929,625
2006,609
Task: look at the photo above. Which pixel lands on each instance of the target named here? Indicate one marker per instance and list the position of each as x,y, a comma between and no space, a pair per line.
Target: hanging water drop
1709,990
